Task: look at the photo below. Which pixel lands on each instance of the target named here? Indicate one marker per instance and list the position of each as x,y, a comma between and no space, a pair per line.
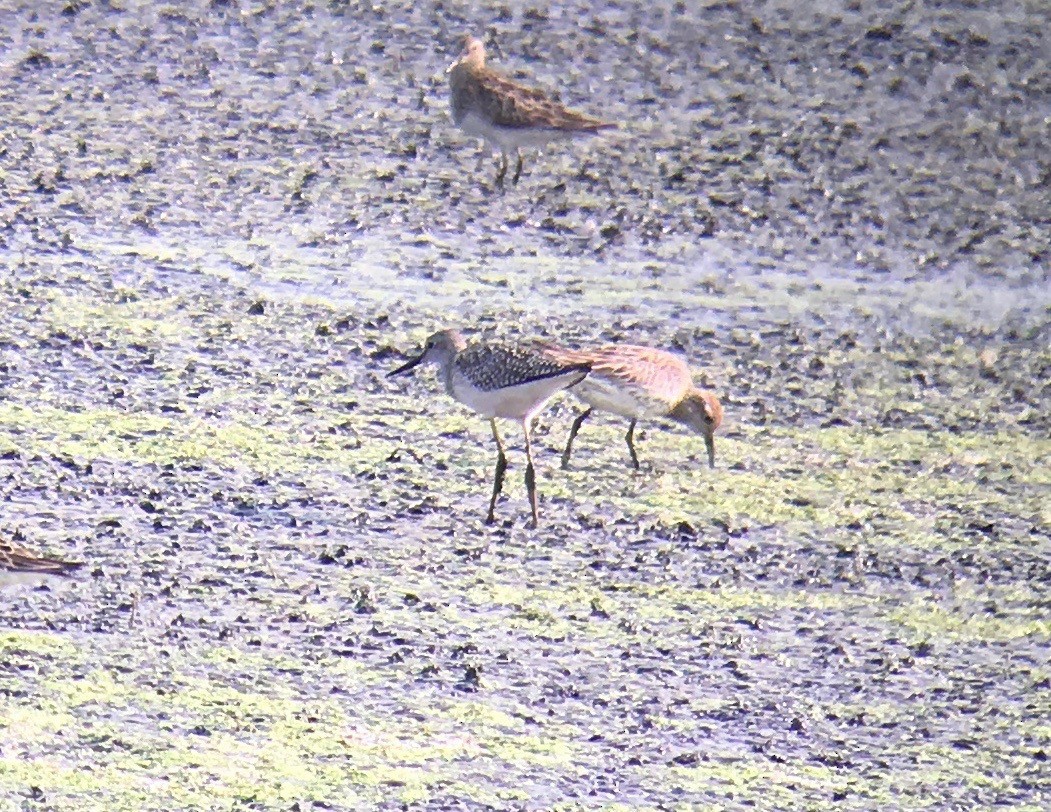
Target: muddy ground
222,223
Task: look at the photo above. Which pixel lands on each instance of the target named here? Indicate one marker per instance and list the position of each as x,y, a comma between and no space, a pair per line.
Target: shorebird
512,381
507,115
18,565
637,383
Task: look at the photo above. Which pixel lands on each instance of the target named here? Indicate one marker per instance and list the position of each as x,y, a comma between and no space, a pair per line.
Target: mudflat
222,224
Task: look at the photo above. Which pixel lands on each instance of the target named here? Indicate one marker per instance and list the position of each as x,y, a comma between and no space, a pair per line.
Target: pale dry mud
221,225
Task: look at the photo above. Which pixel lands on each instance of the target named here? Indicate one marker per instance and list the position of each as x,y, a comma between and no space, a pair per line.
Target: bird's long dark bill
709,443
406,367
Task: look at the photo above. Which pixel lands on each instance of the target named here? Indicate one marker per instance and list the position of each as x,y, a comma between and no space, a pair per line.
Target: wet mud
222,224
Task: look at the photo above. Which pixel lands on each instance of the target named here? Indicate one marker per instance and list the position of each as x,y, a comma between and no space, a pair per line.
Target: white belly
15,578
511,402
606,396
508,139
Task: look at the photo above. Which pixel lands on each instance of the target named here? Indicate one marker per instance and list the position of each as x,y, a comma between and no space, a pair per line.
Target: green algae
260,742
1019,453
130,320
927,620
147,438
37,643
266,746
838,477
543,611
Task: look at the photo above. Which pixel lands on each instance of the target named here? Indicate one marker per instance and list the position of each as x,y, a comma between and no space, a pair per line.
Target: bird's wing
509,104
18,559
495,366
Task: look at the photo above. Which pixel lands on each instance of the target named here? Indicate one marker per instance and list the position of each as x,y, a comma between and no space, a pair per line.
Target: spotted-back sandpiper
641,382
509,116
512,381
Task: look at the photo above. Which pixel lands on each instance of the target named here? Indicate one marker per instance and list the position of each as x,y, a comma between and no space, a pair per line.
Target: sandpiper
499,380
19,565
507,115
641,382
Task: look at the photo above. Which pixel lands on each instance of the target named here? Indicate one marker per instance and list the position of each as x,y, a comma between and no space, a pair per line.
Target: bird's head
702,412
439,349
472,56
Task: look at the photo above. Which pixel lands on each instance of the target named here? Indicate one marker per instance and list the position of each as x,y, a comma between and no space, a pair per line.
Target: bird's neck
680,412
447,373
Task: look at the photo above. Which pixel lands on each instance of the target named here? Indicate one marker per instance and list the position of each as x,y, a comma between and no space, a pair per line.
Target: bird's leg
518,167
501,173
530,476
498,479
631,445
573,433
